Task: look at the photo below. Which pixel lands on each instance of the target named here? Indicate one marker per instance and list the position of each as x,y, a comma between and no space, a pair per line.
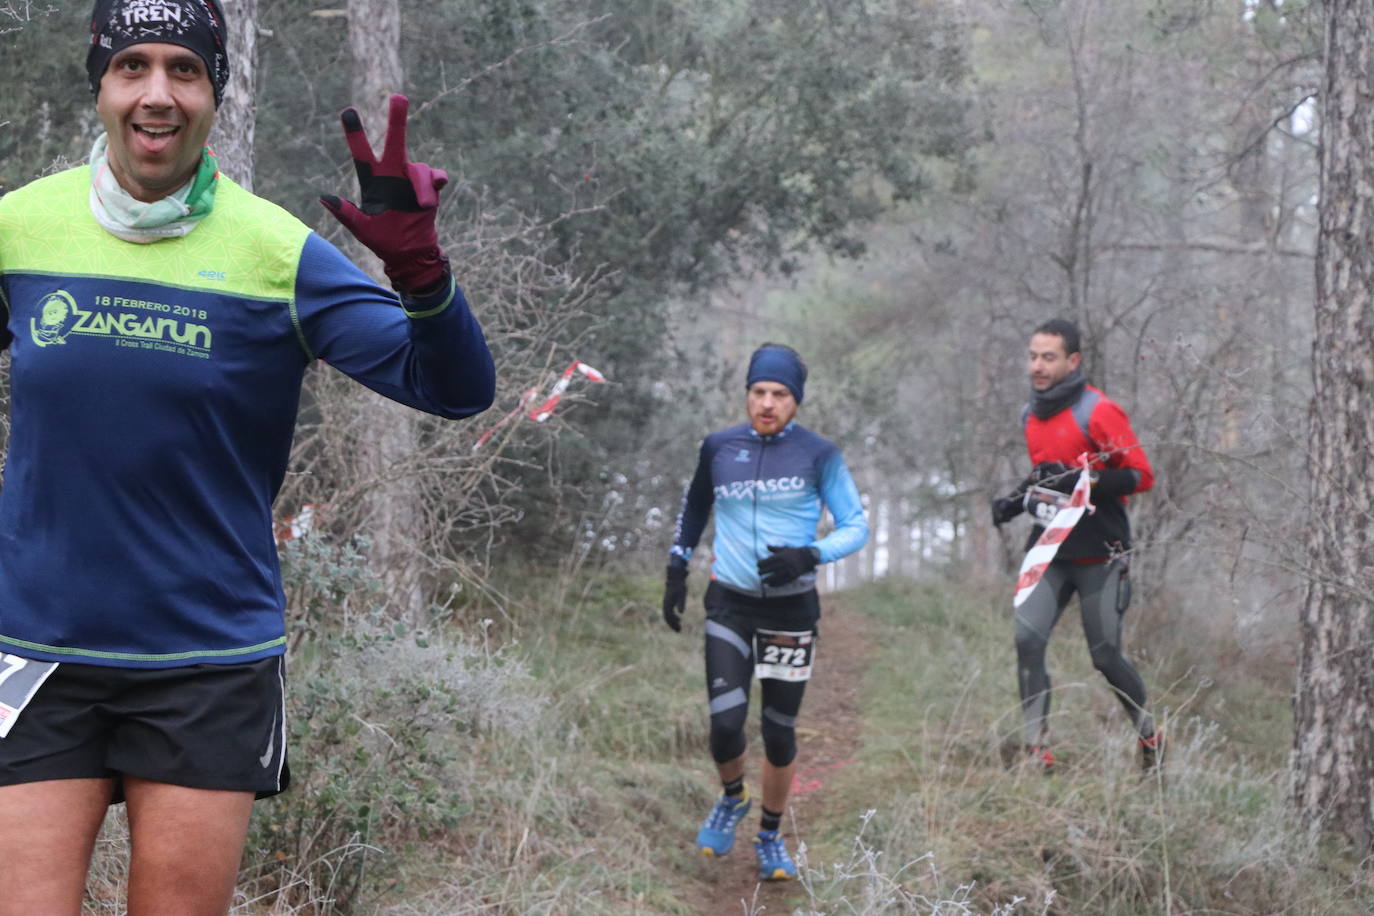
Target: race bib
784,656
1044,504
20,679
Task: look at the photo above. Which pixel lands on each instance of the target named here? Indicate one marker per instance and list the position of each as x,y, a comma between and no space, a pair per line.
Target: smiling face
771,407
156,104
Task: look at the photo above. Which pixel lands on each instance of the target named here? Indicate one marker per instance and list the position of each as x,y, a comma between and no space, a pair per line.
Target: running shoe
717,835
1040,757
1152,751
774,862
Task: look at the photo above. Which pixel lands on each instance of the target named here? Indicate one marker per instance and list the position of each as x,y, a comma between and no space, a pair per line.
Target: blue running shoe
774,862
717,836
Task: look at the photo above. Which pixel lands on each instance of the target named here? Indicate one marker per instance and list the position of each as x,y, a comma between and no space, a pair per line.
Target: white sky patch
1303,120
1252,5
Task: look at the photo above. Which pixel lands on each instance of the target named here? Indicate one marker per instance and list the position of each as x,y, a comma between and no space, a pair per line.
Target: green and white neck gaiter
135,221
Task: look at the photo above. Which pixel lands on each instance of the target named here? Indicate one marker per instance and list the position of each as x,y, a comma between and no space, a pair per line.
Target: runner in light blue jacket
768,481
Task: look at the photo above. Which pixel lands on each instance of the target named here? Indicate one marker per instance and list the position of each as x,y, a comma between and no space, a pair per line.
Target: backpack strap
1082,413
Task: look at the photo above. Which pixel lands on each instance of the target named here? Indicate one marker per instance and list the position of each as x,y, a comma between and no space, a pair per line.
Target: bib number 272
784,656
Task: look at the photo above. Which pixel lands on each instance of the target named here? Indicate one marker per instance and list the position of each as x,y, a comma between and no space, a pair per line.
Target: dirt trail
827,740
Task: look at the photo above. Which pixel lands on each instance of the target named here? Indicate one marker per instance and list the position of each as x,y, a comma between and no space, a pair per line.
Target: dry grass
574,760
1211,835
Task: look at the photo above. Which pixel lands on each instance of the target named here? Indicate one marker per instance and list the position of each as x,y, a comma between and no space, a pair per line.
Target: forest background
901,189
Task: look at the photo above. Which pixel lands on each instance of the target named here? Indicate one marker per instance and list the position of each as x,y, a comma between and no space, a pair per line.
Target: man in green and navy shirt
160,320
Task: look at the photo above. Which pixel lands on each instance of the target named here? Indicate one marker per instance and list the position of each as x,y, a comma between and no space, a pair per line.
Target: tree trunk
898,539
374,39
1333,748
392,516
877,519
236,120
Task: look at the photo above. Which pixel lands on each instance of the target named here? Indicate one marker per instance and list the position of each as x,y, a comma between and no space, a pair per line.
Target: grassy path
909,716
566,771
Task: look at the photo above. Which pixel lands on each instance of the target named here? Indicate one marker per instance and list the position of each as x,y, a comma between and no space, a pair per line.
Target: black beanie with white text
197,25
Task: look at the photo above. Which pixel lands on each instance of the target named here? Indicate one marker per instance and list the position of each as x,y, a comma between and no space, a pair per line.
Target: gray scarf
1047,403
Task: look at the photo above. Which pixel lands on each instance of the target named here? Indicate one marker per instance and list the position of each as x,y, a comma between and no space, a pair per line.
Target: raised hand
399,202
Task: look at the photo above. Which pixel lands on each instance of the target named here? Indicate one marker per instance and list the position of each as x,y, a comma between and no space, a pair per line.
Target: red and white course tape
1039,557
298,525
545,410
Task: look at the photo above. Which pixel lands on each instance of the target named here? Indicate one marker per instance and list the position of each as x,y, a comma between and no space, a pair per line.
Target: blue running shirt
768,490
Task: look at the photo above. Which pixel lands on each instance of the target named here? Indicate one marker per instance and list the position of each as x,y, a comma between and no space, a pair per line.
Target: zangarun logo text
137,323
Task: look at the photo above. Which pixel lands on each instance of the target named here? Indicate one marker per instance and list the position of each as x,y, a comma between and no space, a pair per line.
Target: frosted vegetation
498,722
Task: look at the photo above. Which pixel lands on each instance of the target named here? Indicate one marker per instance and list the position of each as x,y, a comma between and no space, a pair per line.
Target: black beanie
197,25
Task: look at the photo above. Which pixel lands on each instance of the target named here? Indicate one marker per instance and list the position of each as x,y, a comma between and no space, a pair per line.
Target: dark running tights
1099,587
729,671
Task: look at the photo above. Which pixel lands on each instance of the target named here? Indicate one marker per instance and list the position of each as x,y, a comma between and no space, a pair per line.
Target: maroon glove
399,198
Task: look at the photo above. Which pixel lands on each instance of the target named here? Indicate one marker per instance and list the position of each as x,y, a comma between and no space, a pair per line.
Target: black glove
1115,481
787,564
675,597
1006,508
1054,475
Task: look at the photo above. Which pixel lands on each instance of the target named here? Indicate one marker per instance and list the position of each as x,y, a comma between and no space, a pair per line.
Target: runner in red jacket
1065,419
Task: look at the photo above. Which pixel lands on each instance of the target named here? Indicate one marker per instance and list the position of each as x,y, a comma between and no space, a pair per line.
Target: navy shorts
201,726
